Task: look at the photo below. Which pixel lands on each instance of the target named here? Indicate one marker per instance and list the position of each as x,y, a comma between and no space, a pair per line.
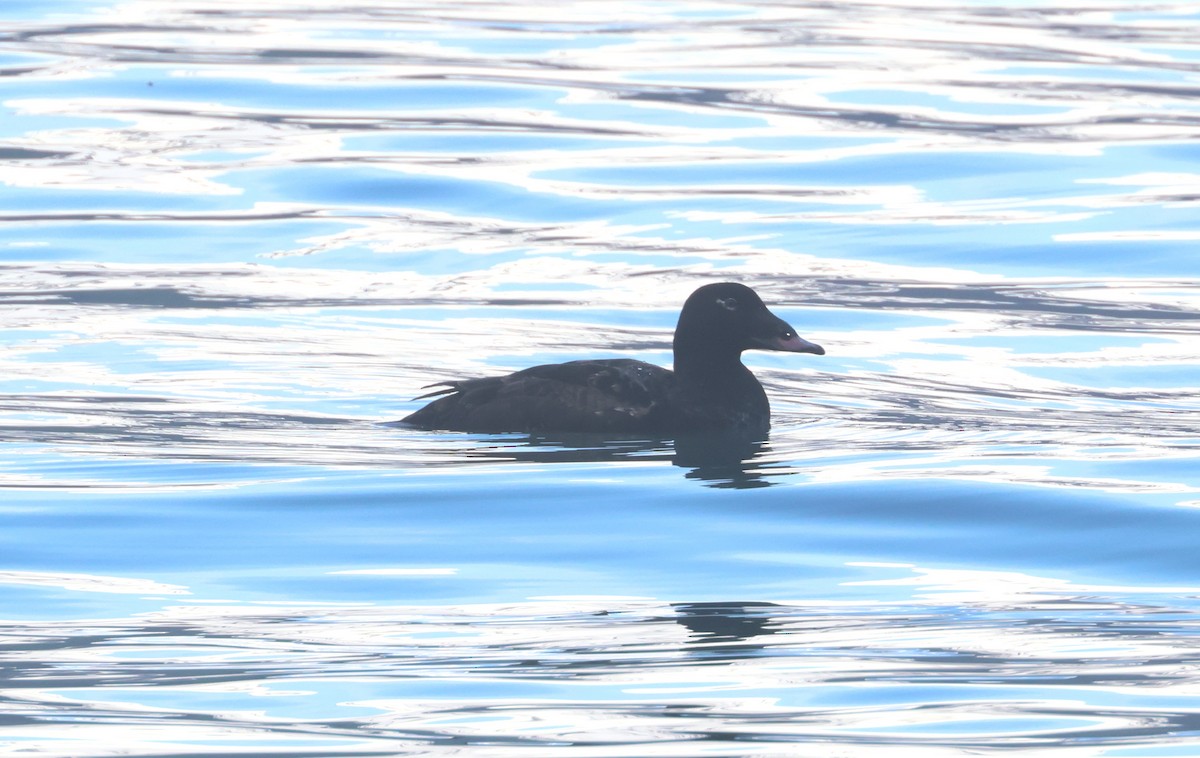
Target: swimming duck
708,390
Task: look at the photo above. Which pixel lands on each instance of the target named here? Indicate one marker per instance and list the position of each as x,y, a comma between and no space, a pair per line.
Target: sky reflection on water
238,238
502,679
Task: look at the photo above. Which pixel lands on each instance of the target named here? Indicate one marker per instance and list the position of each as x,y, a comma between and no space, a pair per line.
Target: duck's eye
728,303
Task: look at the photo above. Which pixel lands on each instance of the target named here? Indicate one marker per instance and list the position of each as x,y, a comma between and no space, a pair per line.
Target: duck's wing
618,395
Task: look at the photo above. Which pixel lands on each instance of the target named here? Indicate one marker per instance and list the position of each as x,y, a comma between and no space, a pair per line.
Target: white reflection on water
91,583
971,377
996,587
396,572
695,91
982,211
972,661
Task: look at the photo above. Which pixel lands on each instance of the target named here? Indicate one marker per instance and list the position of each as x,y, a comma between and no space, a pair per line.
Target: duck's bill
790,344
797,344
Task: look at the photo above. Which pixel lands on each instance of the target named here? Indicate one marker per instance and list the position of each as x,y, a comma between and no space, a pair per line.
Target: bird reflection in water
727,621
727,459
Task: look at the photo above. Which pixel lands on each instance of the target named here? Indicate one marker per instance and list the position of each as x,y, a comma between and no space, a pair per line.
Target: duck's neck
709,369
714,391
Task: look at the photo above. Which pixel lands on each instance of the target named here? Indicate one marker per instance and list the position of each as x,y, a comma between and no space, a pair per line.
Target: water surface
236,239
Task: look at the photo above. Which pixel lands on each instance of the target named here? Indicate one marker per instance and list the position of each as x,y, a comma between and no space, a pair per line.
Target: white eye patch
728,303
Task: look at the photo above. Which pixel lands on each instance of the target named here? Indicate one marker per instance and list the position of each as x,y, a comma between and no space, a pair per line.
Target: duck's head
724,317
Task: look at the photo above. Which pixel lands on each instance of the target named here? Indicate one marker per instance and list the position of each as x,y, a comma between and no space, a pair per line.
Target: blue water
236,240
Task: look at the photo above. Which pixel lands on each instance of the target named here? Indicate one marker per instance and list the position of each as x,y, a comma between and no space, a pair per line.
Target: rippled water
237,238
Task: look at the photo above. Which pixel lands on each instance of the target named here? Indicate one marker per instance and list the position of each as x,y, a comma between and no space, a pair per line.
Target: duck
708,390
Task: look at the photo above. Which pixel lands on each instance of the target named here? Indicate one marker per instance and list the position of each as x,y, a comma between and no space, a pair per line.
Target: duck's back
618,395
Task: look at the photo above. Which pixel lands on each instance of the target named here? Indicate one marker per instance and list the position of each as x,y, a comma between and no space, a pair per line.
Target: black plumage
709,389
